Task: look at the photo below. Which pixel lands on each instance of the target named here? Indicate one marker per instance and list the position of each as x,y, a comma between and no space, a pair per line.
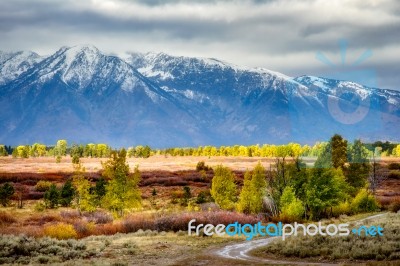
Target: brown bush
394,206
394,166
384,201
6,218
394,175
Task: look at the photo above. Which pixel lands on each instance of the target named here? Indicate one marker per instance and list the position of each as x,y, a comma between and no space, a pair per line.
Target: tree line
101,150
61,148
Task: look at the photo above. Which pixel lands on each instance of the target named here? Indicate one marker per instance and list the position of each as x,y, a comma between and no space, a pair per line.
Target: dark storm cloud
282,35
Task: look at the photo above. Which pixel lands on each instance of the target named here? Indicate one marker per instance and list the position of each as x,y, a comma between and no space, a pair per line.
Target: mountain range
83,95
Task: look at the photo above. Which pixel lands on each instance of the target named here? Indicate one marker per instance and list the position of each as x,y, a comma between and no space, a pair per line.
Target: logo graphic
346,91
345,73
282,230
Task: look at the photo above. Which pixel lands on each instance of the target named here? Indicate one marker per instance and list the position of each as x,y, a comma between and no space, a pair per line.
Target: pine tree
6,192
100,190
359,167
67,193
339,151
52,197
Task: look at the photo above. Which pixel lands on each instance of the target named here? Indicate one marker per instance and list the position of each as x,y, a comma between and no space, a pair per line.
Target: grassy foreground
139,248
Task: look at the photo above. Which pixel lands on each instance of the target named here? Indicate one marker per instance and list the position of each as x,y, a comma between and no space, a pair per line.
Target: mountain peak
13,64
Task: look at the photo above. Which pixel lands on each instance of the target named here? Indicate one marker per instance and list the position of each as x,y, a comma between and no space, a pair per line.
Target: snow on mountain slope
12,65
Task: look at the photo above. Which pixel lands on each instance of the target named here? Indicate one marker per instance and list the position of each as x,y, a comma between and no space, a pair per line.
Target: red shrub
41,219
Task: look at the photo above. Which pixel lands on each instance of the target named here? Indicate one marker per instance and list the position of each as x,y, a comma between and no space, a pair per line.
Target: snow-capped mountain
14,64
84,95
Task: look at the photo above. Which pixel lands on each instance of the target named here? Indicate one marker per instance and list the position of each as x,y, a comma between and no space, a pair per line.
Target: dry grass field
159,163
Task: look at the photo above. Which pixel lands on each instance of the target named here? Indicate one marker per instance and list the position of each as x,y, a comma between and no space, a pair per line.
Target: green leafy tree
38,150
292,207
90,150
223,187
326,187
259,185
364,202
6,192
77,151
14,153
61,147
52,197
23,151
83,199
3,151
246,195
67,193
122,190
75,159
102,150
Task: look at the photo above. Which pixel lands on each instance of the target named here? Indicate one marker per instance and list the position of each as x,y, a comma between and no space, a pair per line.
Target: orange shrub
109,229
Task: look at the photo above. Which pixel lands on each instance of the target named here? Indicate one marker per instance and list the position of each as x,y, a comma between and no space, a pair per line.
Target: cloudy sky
281,35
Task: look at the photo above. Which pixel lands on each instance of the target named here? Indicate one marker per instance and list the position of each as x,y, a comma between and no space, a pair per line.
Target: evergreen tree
52,197
67,193
359,167
187,194
334,154
339,151
6,192
100,190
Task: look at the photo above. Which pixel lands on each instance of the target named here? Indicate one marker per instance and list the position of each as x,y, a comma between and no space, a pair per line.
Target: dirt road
241,251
